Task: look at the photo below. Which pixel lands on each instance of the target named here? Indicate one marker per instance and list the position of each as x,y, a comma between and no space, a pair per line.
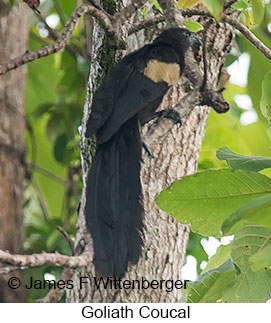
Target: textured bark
176,155
13,41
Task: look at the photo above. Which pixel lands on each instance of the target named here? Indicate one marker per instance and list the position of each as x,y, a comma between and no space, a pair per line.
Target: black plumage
128,96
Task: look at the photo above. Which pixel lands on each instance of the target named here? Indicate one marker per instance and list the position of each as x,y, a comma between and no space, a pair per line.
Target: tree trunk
13,41
176,155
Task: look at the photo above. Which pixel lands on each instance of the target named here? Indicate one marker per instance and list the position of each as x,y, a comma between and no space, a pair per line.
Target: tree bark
175,155
13,41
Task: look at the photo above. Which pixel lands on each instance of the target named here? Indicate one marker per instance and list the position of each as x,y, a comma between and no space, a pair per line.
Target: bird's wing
139,81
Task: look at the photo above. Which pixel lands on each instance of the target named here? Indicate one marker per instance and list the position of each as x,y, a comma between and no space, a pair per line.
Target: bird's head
179,38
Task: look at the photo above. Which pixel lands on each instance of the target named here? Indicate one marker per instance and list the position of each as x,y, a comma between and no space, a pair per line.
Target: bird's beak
195,41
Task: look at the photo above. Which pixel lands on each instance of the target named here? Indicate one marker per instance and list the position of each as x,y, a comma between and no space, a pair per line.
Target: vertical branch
172,14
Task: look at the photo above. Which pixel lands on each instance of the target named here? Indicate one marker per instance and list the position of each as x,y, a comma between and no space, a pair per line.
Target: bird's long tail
113,206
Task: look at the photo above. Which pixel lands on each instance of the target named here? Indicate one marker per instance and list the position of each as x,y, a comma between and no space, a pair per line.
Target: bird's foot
169,114
149,154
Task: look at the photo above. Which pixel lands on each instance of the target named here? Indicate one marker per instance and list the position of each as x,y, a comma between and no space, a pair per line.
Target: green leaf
222,255
71,80
156,4
11,3
240,5
262,259
215,7
40,110
205,199
60,147
210,286
258,7
249,286
256,211
68,7
265,102
247,163
249,240
193,26
269,132
54,126
246,18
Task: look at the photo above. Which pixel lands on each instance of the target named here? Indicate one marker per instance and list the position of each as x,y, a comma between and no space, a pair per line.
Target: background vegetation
54,102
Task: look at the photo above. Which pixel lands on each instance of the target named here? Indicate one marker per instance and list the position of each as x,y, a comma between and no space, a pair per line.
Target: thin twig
249,35
72,49
236,24
41,259
173,16
41,199
67,237
189,12
110,28
10,269
63,39
33,4
53,33
47,173
145,24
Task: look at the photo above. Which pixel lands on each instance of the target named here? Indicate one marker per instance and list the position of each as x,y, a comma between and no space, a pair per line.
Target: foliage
233,202
237,200
54,100
54,103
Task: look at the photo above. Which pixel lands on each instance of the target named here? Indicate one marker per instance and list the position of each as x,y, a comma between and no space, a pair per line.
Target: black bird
127,97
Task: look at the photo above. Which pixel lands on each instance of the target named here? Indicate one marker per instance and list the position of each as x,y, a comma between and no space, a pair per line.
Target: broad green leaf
223,253
60,147
262,259
40,110
55,126
193,26
210,286
68,6
265,102
221,129
258,7
205,199
240,5
249,240
247,163
71,81
215,7
249,286
229,60
256,211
